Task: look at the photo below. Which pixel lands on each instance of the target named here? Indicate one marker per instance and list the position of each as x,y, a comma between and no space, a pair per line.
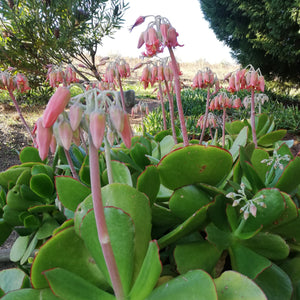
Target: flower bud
43,139
56,106
97,128
75,116
65,134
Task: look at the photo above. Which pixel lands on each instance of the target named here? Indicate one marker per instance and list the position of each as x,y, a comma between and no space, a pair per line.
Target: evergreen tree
36,33
265,33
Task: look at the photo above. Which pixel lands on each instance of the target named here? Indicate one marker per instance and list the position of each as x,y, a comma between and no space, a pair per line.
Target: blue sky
199,40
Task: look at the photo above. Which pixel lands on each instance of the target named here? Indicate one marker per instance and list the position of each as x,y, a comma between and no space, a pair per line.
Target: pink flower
232,85
261,83
153,44
75,116
146,77
160,73
97,128
169,35
126,133
138,22
56,106
43,139
22,83
236,103
65,134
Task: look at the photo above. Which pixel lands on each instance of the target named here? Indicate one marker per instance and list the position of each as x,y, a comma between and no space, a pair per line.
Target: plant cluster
117,216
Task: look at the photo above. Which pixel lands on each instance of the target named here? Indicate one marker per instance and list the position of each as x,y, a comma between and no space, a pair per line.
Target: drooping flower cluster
259,99
211,121
222,101
10,83
59,75
158,35
250,206
276,160
245,79
64,128
141,107
204,79
117,69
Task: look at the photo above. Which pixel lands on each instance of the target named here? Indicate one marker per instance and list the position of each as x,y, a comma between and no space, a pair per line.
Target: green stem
103,235
253,118
240,228
171,105
162,105
205,116
108,161
178,98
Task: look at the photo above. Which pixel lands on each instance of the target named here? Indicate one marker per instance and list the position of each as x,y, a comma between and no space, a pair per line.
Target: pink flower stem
171,105
101,223
70,162
20,114
178,98
210,132
223,129
253,118
205,115
121,91
162,105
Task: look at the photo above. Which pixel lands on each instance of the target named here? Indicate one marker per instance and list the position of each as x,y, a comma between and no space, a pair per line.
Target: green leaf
138,154
270,138
120,173
166,145
13,279
11,175
187,200
195,222
65,250
149,183
234,286
290,179
222,239
19,247
29,250
194,164
70,191
241,140
235,127
148,275
275,283
30,294
257,156
47,227
42,185
247,261
29,154
121,233
197,255
70,286
265,216
5,230
269,245
194,285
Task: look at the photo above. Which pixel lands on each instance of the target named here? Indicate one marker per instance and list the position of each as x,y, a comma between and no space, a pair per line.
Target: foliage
263,32
38,33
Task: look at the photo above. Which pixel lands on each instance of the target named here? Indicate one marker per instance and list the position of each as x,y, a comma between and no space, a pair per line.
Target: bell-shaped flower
232,85
22,83
65,134
126,133
56,106
43,139
97,127
236,103
146,77
75,116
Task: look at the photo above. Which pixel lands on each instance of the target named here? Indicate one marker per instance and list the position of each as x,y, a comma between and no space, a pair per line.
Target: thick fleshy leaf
29,154
194,164
270,138
194,285
265,216
120,173
42,185
275,283
149,183
235,286
222,239
11,175
195,222
290,178
138,153
166,145
29,250
121,233
246,261
5,230
187,200
49,224
198,255
269,245
234,127
149,273
137,205
70,191
13,279
70,286
240,140
257,156
65,250
30,294
19,247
